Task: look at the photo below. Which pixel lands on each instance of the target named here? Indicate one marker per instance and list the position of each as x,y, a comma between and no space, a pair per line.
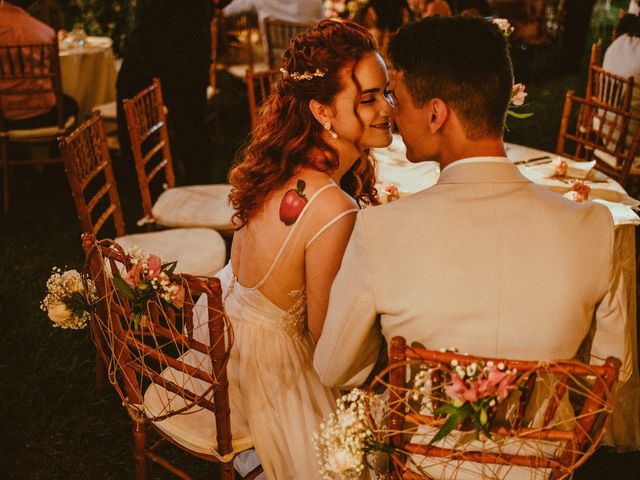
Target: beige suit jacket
484,261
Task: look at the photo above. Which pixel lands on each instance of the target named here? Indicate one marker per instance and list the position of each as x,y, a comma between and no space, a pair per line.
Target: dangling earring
327,127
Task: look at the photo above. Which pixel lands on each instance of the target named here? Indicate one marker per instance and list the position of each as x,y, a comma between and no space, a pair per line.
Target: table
393,167
88,73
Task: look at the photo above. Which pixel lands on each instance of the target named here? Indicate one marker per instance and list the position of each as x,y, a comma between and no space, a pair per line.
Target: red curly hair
286,132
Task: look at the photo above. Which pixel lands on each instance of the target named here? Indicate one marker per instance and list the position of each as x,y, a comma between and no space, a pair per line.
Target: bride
296,191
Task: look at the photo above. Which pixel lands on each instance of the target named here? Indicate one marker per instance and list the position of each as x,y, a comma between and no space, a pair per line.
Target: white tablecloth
88,73
393,167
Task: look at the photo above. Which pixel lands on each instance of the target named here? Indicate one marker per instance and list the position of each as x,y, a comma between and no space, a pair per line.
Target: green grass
53,424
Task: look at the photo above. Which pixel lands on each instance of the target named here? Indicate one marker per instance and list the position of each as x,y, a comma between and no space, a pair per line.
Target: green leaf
448,409
452,422
168,268
519,115
123,287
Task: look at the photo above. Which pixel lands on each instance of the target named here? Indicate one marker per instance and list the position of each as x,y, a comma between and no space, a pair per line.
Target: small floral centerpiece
66,300
148,279
474,393
579,192
390,191
342,8
346,437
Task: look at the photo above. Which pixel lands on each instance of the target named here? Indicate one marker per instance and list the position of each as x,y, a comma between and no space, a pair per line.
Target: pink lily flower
518,94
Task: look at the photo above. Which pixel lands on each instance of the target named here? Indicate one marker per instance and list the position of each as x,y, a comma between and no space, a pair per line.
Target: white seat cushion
29,133
195,206
198,251
196,428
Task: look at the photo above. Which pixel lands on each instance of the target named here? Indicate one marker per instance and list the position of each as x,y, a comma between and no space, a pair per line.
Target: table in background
393,167
88,73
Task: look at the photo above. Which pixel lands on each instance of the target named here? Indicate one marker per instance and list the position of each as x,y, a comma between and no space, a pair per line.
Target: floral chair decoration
462,417
166,340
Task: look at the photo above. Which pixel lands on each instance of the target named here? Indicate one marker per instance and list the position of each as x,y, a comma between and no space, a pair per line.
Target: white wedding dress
273,385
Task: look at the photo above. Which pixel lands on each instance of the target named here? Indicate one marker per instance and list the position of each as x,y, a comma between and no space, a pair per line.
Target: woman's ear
322,113
437,114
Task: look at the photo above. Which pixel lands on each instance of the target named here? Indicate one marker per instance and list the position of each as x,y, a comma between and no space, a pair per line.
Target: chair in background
191,206
93,186
597,53
241,43
259,85
170,366
36,69
591,130
608,88
278,35
543,429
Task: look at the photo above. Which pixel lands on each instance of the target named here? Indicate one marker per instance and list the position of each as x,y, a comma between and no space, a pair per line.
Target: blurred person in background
171,40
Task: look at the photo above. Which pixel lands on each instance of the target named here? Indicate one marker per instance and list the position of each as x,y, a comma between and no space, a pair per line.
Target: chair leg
227,472
139,442
4,158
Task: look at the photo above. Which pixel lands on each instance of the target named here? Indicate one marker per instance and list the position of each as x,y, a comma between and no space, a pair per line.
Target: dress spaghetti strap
329,223
290,234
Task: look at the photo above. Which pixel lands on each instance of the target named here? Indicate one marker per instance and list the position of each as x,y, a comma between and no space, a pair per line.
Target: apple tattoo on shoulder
293,203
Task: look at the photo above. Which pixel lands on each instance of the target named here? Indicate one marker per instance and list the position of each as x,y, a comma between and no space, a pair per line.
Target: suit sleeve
614,330
350,339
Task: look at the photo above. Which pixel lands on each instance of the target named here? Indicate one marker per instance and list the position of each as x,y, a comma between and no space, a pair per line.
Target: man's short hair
464,62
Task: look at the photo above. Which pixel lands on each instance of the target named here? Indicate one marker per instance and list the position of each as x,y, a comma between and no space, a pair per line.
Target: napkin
579,170
622,214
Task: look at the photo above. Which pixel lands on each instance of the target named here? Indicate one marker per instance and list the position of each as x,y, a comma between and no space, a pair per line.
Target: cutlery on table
534,160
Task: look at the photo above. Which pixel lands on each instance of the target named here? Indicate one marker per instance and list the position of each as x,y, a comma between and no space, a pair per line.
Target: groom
484,260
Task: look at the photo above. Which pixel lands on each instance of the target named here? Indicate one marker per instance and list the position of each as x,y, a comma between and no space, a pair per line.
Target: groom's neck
462,147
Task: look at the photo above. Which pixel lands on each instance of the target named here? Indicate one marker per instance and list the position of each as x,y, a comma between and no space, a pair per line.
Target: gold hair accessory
303,76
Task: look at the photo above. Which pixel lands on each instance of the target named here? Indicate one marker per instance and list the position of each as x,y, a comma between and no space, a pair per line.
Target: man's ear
438,112
321,112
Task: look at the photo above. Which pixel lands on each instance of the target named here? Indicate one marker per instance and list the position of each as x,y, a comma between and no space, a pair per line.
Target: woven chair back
552,418
178,354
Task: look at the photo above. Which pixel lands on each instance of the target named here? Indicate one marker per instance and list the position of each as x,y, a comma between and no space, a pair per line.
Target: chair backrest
552,418
608,88
182,349
149,136
93,185
259,86
279,33
590,130
597,52
238,32
30,71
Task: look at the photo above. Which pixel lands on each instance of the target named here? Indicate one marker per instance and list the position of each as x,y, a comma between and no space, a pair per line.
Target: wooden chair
259,86
278,35
170,368
608,88
552,422
95,193
597,53
191,206
238,34
36,70
591,130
